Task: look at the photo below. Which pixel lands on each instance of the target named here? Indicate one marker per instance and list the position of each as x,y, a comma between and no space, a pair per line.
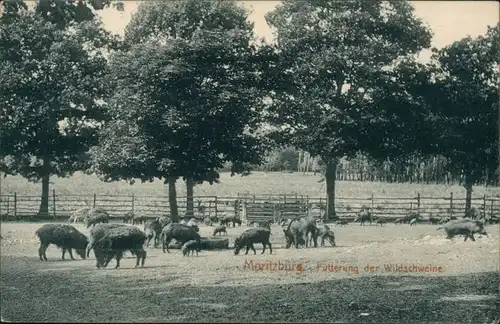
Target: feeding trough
207,243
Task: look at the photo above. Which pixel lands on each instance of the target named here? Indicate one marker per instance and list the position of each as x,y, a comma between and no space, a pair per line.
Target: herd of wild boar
112,240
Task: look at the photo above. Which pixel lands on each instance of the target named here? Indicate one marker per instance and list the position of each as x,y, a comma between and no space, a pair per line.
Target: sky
449,20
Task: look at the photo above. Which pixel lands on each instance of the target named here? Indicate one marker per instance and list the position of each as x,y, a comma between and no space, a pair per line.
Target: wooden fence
248,207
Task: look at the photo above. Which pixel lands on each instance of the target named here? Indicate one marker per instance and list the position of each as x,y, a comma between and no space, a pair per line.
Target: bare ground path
216,286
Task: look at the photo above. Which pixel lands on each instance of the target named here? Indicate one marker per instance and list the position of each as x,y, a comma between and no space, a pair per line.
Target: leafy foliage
52,89
339,62
186,95
465,105
339,68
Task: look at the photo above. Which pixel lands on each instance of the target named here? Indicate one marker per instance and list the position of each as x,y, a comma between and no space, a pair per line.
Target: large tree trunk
189,199
299,161
43,211
172,200
330,177
468,195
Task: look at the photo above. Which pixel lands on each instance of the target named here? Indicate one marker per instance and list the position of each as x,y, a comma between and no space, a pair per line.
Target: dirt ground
217,286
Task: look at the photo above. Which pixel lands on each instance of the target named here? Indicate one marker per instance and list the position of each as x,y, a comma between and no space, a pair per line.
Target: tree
465,107
185,90
51,84
337,64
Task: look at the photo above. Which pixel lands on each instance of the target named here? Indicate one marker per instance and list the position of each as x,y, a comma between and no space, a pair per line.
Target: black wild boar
325,233
473,213
153,230
265,223
220,229
227,219
96,216
118,240
364,216
63,236
214,218
207,221
290,239
139,220
494,219
190,247
79,215
466,227
181,233
411,215
301,227
444,220
342,222
434,220
96,234
381,221
251,236
128,217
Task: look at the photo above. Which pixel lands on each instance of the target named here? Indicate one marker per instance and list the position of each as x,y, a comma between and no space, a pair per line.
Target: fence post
133,203
484,205
216,206
236,206
491,209
54,202
418,203
451,204
372,201
275,213
8,209
15,205
94,200
244,212
308,207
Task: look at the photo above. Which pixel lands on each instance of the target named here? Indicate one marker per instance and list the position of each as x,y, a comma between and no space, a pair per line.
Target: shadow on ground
76,295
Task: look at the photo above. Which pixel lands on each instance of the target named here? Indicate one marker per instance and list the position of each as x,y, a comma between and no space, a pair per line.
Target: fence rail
249,207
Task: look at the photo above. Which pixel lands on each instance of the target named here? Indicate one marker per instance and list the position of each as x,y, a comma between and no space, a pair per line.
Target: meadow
150,198
258,183
217,286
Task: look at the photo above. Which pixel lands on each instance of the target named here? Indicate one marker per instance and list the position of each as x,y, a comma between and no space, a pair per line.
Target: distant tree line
190,91
429,170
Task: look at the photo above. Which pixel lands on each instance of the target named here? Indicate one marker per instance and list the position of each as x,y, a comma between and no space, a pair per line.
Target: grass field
259,183
151,198
216,287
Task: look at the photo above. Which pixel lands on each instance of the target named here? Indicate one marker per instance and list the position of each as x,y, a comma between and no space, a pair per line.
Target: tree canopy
185,93
51,93
339,62
465,106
